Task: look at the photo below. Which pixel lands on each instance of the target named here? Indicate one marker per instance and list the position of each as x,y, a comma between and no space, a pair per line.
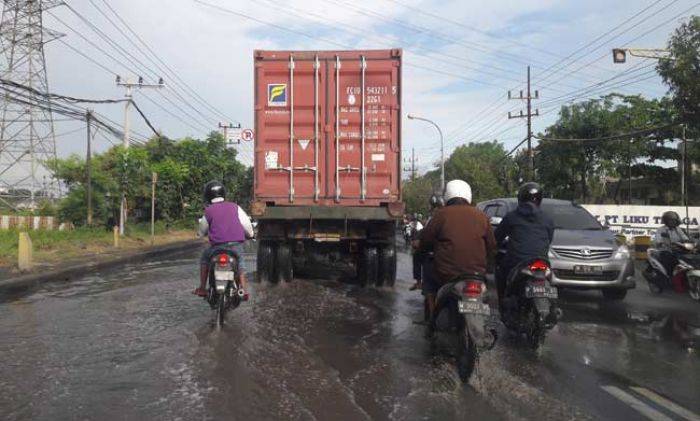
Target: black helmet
671,219
212,190
530,193
436,201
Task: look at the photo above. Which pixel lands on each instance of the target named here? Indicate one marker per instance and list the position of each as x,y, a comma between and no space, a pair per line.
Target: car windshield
570,217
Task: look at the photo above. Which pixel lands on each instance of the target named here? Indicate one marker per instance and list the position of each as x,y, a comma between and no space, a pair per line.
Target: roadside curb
33,279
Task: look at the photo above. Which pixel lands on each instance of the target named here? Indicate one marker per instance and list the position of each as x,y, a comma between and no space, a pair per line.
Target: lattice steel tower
26,130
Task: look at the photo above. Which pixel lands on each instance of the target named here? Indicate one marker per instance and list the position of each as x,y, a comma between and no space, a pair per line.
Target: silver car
583,254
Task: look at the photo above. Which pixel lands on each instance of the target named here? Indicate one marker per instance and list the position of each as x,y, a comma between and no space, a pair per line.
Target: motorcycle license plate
223,275
473,307
541,291
588,270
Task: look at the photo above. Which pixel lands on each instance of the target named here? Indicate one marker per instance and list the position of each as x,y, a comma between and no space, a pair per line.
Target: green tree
484,166
183,167
682,72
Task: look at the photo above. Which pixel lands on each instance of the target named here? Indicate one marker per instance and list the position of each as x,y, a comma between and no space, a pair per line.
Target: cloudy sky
460,57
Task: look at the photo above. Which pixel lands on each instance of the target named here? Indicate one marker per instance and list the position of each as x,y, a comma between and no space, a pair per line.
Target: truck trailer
327,177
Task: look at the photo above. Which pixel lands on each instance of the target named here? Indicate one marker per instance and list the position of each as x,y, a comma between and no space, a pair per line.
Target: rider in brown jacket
460,237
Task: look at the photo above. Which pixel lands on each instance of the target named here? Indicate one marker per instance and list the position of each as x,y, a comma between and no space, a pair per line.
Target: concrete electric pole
411,168
129,87
528,115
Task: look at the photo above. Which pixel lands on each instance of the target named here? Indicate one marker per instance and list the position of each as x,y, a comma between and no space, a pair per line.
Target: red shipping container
328,128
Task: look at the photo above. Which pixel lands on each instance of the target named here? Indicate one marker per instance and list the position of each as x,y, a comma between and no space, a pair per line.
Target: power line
613,137
153,54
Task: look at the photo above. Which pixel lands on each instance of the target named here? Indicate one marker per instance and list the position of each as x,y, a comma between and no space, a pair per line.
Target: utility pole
528,115
128,94
154,180
412,168
226,128
88,168
684,193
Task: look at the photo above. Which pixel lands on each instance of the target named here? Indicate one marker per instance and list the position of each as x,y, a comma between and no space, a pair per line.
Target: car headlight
623,252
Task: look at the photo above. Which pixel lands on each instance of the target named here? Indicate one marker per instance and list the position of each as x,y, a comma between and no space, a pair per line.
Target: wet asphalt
132,343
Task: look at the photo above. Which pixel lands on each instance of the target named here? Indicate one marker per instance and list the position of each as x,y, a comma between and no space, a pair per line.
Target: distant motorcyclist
422,264
529,232
668,234
228,226
461,238
415,228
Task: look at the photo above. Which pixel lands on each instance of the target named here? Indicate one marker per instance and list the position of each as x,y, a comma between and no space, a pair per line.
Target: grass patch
56,246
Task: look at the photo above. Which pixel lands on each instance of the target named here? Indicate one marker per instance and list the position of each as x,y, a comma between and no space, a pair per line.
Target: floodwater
133,343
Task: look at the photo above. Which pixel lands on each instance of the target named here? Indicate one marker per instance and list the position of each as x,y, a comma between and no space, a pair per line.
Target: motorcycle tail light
538,266
222,260
472,289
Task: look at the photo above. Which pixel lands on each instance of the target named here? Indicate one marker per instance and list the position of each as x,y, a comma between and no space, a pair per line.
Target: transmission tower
27,137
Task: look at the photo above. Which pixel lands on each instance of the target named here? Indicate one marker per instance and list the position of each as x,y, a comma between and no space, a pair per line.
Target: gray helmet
671,219
436,201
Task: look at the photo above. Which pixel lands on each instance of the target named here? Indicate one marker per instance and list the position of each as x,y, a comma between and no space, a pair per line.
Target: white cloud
212,51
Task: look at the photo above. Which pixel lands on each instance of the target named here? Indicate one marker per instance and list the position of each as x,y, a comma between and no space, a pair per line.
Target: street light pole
442,148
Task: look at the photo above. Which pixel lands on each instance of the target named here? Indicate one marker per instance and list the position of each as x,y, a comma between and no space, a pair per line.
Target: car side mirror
495,220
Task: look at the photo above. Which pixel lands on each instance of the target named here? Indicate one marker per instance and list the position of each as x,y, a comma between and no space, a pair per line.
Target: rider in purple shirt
227,226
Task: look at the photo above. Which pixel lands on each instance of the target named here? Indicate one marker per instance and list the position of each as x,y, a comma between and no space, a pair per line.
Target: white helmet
458,188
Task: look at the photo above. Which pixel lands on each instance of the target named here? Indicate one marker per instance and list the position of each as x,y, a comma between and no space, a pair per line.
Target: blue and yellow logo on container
277,94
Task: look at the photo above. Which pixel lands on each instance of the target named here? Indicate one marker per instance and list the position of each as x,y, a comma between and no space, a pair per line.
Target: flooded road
133,343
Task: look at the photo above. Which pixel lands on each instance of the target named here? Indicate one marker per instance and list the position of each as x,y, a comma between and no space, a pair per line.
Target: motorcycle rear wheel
221,310
466,356
535,329
650,277
694,288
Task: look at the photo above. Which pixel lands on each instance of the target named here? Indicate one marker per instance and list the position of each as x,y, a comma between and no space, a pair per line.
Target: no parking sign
247,135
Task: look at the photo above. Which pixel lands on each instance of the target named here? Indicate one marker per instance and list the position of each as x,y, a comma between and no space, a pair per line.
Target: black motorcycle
686,266
462,314
224,293
529,304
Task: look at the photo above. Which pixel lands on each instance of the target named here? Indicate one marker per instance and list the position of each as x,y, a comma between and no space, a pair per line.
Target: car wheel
615,294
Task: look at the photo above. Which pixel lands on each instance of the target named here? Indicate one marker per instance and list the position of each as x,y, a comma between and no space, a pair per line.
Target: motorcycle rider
415,228
228,226
529,232
422,264
669,233
461,238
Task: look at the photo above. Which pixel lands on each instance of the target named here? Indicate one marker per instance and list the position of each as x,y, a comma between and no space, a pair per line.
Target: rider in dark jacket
529,232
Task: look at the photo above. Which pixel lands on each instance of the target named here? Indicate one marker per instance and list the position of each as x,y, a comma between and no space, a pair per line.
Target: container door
289,147
363,108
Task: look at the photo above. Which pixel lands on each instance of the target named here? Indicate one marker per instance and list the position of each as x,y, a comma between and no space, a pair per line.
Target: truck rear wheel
265,261
283,266
369,266
387,266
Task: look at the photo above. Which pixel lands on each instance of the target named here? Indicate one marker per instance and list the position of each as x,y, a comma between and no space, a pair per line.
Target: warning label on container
271,160
304,143
378,157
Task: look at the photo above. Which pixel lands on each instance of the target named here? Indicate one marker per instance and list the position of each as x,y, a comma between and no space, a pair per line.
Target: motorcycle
529,301
461,311
685,274
224,292
408,234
